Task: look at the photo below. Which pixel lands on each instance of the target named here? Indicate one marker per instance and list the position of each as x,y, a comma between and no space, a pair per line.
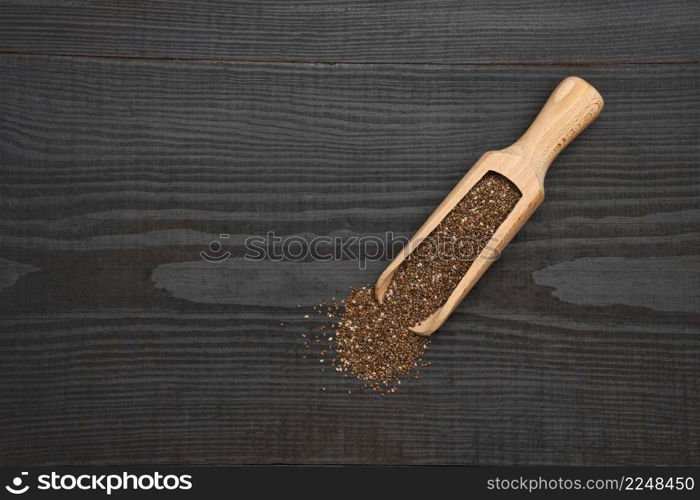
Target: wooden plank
445,31
119,344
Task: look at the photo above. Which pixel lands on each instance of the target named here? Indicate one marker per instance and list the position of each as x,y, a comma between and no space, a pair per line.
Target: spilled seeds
372,342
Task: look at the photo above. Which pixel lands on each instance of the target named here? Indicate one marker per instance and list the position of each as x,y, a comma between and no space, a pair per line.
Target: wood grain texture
445,31
628,281
119,345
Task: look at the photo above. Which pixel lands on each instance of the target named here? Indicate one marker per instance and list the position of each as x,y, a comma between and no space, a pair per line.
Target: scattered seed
373,342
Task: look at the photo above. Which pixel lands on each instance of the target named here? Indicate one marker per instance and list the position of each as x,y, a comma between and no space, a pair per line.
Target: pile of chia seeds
371,341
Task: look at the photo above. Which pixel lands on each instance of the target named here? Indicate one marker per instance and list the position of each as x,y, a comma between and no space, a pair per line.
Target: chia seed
372,341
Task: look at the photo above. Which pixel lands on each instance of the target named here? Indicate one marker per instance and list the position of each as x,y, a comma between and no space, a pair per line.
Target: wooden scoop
573,106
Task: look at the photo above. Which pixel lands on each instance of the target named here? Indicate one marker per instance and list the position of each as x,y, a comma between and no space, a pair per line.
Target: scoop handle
572,107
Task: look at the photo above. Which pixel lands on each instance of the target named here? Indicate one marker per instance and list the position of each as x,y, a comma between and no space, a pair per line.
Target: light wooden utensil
573,106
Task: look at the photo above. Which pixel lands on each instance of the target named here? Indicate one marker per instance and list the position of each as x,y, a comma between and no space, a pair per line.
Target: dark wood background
133,134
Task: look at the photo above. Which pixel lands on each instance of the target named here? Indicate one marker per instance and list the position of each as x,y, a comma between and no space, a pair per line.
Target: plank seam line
341,63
